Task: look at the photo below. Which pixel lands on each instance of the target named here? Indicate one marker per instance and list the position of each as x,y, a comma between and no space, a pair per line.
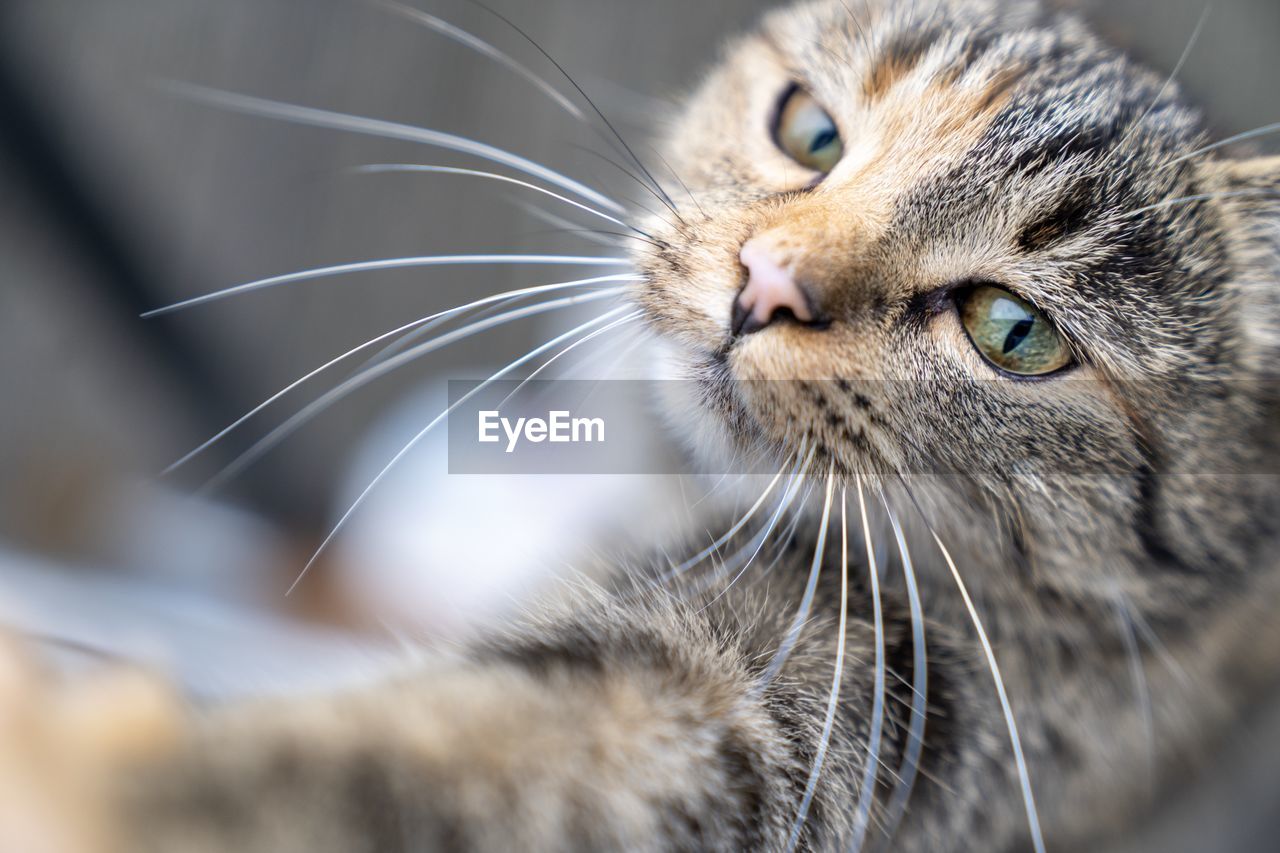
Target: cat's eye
1011,333
806,133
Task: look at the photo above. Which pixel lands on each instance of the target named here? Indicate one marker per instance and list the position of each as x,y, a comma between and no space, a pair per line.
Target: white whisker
787,535
416,324
413,442
719,543
379,168
1177,69
757,544
806,602
833,699
409,339
570,348
867,793
385,264
919,687
1230,140
1162,651
1170,202
314,117
1024,776
562,224
612,371
382,368
482,47
1138,674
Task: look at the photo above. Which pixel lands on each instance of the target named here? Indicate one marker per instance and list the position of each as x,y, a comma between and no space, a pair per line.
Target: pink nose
771,291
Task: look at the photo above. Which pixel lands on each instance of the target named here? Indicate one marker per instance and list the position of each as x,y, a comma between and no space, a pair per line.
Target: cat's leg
635,725
63,746
615,728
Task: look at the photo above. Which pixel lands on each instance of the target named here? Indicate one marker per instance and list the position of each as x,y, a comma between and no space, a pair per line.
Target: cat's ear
1248,194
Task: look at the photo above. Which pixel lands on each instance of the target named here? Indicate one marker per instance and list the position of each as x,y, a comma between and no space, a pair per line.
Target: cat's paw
62,745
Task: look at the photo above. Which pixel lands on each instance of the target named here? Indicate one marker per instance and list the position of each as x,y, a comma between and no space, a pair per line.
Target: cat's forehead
881,40
958,97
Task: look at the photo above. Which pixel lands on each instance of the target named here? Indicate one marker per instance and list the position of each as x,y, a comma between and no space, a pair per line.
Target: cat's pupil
822,140
1018,334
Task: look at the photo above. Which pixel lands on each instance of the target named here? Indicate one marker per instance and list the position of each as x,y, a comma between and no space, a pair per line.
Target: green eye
1011,334
806,133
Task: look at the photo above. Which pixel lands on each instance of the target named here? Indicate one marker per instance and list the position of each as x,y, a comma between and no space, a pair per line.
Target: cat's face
941,237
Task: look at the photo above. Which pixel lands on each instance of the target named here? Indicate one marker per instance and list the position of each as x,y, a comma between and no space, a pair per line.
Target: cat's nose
771,293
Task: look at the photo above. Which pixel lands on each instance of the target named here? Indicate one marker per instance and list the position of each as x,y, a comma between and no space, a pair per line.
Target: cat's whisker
380,168
1024,776
330,120
634,177
659,191
867,42
797,515
806,602
413,442
711,492
376,371
732,531
412,326
679,180
1170,202
629,318
385,264
762,538
1230,140
409,339
637,333
1173,75
599,236
793,526
868,791
1138,674
484,48
833,699
920,682
566,226
613,239
1162,651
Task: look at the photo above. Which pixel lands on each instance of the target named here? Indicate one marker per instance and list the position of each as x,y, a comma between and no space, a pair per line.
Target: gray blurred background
118,197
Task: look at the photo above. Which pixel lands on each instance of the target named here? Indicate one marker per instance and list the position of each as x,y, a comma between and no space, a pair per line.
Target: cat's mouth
752,421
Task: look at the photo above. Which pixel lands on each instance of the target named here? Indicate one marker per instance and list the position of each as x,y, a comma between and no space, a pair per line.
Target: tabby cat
1006,323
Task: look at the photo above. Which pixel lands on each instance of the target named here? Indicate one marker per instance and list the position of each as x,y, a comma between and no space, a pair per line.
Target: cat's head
959,247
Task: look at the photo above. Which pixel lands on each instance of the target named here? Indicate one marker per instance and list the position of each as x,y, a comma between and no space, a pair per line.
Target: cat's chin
705,415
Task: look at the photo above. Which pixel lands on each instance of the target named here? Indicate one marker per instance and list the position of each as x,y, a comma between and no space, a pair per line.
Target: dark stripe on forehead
1074,210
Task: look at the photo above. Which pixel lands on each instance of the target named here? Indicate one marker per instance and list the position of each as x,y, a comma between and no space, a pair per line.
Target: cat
980,288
